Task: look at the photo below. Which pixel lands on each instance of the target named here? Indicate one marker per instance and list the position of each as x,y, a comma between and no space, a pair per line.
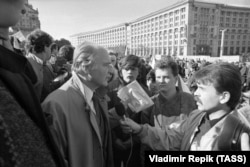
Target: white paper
136,98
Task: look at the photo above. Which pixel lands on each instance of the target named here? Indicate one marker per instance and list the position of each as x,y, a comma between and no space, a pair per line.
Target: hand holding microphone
129,126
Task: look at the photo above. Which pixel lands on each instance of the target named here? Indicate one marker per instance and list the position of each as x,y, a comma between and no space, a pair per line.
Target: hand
245,145
125,128
127,123
122,145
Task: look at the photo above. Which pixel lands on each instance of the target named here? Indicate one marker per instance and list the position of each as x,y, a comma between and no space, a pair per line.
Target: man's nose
129,70
196,92
162,80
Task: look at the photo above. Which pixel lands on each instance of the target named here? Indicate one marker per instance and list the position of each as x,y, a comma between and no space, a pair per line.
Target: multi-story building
161,32
29,21
207,22
189,27
109,37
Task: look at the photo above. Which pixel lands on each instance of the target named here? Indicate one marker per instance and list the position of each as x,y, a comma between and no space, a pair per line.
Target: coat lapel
92,117
196,130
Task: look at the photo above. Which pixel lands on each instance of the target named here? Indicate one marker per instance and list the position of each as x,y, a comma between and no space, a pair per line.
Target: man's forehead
203,84
163,70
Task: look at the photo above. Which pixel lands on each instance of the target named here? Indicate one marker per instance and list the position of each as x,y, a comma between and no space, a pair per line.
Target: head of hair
224,77
67,52
129,61
168,64
53,47
37,40
151,75
84,55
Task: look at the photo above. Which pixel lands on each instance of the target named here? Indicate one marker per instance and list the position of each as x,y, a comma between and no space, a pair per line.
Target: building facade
29,21
109,37
189,27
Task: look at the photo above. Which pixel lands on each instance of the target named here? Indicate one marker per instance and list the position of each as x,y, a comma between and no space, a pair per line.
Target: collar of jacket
12,61
76,83
196,130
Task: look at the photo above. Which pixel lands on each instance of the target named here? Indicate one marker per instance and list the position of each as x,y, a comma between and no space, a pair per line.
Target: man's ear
224,97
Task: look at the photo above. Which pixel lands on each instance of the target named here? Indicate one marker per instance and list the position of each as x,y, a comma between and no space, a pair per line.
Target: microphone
120,110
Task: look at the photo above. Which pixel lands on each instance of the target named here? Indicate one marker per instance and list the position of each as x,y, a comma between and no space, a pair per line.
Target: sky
62,18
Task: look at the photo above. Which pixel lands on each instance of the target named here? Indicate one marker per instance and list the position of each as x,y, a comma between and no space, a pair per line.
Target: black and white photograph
124,83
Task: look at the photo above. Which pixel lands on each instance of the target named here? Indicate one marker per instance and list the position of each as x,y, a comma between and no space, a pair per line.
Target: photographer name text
199,159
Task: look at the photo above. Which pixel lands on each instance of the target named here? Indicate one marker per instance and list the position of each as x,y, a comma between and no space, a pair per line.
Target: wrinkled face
100,71
10,12
207,98
165,79
130,74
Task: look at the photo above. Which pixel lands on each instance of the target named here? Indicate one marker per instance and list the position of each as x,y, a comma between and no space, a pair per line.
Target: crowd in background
61,106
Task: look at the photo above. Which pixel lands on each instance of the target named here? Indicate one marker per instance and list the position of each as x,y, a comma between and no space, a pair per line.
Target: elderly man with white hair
78,117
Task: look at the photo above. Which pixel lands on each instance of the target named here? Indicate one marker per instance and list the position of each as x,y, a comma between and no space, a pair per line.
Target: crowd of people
61,106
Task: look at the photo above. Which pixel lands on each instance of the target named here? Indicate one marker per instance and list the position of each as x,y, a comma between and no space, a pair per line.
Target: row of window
205,42
196,50
113,43
203,10
228,19
109,41
214,28
233,25
212,35
239,14
157,50
182,42
165,16
160,23
234,42
235,50
238,36
103,37
172,30
155,28
120,32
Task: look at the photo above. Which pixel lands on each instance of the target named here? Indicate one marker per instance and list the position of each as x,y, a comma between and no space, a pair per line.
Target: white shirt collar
85,91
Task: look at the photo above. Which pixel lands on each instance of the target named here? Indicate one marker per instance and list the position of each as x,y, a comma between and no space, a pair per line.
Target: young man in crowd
79,119
217,95
171,105
113,56
128,70
25,138
38,47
